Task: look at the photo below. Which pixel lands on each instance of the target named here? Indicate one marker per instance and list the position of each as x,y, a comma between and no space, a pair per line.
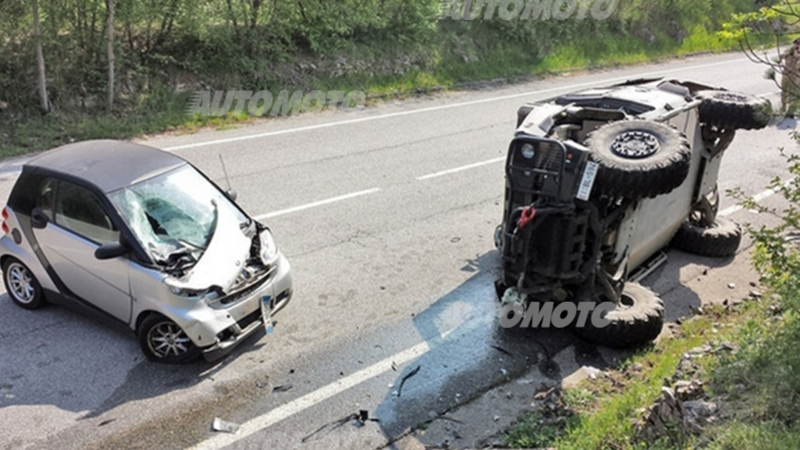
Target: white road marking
315,204
300,404
459,169
448,106
756,198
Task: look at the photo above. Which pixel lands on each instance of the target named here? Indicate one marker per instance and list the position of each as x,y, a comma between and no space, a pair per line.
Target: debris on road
223,426
502,350
405,378
359,419
263,383
394,366
282,388
105,422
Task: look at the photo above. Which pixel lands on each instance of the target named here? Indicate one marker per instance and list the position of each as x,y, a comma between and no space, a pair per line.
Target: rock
697,413
731,285
756,293
689,390
698,351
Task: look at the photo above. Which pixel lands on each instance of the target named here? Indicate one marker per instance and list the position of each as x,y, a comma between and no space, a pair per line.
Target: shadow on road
55,356
471,354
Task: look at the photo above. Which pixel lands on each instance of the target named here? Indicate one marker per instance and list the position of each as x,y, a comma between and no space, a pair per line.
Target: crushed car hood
223,260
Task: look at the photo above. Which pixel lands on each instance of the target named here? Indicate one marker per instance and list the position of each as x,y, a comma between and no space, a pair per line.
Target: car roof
108,164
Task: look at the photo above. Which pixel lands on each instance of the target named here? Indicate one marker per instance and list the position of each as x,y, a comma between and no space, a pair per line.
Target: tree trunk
110,39
44,103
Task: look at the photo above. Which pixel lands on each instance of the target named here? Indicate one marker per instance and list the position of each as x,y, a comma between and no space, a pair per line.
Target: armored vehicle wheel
638,158
721,239
637,320
726,109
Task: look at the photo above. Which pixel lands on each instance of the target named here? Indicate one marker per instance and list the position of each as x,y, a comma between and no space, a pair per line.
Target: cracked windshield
174,215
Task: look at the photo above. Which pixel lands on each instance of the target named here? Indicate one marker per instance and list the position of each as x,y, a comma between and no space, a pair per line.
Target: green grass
759,386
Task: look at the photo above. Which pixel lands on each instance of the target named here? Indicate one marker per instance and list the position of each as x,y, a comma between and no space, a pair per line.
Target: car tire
727,109
720,240
636,323
163,341
21,285
638,158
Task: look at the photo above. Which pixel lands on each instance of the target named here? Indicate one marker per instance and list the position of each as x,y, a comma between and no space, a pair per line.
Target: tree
764,35
37,32
110,39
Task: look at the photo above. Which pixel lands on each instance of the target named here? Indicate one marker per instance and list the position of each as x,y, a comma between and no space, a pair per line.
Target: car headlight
269,250
528,151
185,292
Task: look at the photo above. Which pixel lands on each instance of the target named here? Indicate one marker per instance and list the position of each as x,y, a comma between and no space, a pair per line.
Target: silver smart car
138,235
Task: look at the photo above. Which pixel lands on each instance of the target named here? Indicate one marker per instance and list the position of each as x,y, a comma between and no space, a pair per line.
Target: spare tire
636,321
638,158
727,109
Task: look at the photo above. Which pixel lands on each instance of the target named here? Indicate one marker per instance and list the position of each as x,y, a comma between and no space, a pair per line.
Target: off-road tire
635,324
721,240
638,158
727,109
523,112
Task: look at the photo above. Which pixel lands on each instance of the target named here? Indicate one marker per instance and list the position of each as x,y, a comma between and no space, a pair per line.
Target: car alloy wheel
162,340
21,282
22,286
167,339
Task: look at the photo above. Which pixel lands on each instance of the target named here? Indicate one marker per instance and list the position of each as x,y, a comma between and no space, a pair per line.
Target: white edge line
300,404
756,198
315,204
459,169
450,106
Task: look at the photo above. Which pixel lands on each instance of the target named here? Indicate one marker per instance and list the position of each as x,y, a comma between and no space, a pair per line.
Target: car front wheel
162,340
23,288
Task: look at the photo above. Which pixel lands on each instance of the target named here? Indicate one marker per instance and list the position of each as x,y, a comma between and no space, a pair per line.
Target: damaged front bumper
230,321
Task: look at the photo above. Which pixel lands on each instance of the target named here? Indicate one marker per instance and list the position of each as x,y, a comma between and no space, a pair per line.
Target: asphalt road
386,215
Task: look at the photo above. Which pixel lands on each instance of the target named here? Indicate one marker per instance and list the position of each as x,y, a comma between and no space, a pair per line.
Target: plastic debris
359,419
223,426
405,378
282,388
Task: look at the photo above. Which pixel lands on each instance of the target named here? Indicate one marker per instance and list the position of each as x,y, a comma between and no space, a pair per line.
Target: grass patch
608,408
757,389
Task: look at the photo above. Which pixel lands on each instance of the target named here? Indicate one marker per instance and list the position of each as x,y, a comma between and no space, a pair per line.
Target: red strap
528,213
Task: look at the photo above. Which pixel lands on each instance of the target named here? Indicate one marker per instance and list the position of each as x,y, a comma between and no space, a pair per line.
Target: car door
77,225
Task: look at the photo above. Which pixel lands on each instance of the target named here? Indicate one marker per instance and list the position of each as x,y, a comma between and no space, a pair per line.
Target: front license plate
266,313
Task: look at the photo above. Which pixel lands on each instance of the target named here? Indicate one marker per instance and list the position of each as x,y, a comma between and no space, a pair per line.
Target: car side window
79,210
45,196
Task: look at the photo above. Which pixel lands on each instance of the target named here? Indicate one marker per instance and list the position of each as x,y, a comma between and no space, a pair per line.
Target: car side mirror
39,218
231,194
110,250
